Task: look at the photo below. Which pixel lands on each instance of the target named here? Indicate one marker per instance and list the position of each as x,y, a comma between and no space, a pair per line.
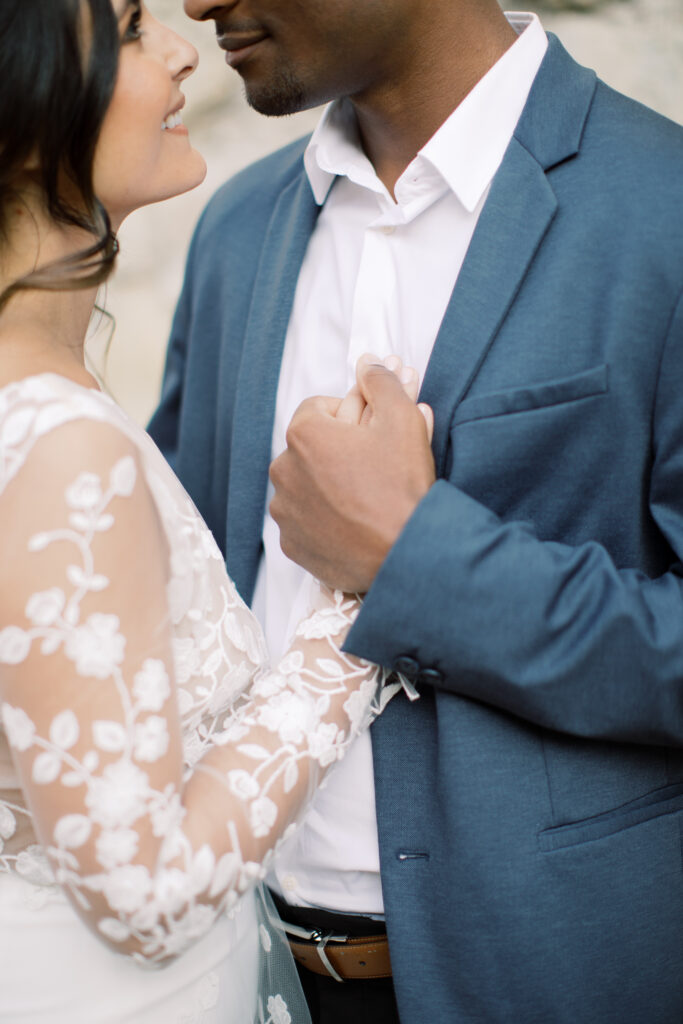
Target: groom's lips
238,46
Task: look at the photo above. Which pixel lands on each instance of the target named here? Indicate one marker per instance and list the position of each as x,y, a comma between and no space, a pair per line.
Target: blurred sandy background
635,45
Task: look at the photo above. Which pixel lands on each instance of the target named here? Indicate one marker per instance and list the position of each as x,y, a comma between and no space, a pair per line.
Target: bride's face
144,152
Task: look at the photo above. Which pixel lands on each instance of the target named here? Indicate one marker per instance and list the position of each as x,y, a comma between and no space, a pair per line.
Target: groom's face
295,54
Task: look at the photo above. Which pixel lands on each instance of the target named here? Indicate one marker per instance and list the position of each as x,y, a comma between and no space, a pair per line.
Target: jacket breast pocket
660,803
587,384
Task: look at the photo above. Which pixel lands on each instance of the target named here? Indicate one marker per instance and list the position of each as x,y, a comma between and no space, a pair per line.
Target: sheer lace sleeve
149,840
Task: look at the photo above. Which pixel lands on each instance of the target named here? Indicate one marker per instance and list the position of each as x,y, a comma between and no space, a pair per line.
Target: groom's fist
344,491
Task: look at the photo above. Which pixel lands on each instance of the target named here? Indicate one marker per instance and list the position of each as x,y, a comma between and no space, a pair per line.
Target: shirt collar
467,149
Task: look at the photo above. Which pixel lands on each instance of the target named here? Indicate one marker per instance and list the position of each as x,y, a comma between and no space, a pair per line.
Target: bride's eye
133,28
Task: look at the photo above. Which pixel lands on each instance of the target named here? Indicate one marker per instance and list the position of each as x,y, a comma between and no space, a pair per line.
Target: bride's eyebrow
121,8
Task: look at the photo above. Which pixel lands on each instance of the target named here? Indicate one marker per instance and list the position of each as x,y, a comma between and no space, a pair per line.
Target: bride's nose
181,56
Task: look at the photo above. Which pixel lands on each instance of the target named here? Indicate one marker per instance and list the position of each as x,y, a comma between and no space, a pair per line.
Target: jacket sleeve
555,634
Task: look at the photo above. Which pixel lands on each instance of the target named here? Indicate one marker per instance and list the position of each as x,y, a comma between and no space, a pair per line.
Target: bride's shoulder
53,427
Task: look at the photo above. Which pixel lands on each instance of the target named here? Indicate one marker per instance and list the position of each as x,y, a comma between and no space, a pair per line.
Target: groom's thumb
382,390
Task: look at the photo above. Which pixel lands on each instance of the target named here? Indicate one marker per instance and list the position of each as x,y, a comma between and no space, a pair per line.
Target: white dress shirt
377,277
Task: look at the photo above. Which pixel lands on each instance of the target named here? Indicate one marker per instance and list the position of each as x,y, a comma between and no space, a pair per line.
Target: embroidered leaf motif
122,477
72,831
330,668
8,823
39,542
64,730
254,751
109,736
291,776
46,768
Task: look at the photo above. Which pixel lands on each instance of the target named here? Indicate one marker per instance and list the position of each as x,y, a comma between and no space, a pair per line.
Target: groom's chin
277,98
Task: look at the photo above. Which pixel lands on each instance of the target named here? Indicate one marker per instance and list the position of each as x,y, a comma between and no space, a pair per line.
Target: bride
149,759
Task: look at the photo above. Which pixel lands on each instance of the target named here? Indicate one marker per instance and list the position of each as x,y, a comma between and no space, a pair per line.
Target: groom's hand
344,491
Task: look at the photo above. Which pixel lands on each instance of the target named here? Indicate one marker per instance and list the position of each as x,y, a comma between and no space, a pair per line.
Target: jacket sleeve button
407,666
430,677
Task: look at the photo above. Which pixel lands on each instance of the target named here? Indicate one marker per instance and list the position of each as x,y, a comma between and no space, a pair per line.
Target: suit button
407,666
430,677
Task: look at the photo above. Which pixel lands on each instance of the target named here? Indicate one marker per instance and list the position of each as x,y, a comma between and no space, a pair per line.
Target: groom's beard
282,94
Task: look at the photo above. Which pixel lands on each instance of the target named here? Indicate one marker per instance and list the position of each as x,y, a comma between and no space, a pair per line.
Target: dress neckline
54,376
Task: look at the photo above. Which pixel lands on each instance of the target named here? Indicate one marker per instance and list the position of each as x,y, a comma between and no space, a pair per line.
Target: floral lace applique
162,766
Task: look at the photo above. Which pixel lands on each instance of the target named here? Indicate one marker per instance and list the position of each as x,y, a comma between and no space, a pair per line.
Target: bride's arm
149,855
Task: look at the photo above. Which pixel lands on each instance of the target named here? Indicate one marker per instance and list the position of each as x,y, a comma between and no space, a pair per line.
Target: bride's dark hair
58,65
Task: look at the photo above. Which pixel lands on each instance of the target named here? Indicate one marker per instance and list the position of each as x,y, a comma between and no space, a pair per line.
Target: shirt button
289,883
388,229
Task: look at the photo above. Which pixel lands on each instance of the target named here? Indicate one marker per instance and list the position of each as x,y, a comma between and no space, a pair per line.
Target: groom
478,204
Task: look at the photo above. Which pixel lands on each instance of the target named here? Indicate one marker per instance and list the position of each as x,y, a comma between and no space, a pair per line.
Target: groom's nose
204,10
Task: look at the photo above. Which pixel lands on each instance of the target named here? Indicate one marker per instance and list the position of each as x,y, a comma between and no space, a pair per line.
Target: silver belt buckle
320,940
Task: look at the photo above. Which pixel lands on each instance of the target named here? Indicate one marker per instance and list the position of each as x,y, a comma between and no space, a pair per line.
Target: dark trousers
361,1001
349,1002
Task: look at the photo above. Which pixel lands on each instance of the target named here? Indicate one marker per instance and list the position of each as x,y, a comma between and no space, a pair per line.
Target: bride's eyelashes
133,28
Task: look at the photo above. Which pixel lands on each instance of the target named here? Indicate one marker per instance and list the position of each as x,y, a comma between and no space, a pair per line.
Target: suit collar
553,120
516,217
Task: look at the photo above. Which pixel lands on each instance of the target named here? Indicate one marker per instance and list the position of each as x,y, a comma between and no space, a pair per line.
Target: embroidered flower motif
277,1008
327,622
96,647
269,684
290,715
85,493
172,890
151,739
126,888
115,847
151,686
321,744
242,784
45,607
165,886
118,797
186,659
262,816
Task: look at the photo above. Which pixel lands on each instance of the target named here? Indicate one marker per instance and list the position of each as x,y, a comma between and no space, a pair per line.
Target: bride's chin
191,178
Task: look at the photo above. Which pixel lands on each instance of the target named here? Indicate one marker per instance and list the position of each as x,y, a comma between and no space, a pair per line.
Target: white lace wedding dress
149,760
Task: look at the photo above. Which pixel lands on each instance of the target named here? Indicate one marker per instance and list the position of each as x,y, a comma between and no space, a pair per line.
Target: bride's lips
240,46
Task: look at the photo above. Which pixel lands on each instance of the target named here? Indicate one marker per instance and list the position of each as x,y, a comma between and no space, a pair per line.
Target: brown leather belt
339,956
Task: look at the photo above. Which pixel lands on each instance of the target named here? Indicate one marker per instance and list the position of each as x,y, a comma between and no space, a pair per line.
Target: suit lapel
284,247
517,214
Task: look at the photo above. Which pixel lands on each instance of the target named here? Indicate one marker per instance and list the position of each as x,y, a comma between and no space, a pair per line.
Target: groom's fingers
342,491
351,406
387,394
319,405
428,414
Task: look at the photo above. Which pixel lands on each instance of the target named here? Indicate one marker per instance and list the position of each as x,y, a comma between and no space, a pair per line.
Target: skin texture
136,162
388,56
344,492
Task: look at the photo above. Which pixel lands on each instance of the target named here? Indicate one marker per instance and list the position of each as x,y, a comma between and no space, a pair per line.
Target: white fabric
154,756
377,277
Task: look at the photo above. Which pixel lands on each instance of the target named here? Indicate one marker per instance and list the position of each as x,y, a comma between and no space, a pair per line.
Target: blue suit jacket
530,805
